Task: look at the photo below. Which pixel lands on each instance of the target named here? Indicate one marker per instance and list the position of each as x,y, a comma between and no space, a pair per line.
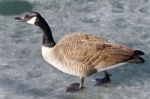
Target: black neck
47,36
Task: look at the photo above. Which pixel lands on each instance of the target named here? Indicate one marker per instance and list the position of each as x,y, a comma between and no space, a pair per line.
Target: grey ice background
25,75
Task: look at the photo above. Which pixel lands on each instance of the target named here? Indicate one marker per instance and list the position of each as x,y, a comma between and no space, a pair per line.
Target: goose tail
136,57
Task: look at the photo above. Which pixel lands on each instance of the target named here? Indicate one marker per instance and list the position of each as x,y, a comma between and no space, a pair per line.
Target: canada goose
81,54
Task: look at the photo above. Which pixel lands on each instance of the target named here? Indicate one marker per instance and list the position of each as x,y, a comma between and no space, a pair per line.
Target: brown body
82,54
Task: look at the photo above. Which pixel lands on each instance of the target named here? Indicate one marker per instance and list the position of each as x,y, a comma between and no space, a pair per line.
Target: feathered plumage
81,54
84,54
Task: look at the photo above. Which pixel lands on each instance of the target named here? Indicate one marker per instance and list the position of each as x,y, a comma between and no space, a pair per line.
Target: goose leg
75,86
104,81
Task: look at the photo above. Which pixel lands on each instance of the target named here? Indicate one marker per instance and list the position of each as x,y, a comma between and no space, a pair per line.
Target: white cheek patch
32,20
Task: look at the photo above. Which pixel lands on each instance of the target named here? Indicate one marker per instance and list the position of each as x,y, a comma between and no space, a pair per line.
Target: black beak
20,19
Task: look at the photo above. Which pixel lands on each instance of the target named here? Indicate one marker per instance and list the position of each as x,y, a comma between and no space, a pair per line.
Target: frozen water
25,75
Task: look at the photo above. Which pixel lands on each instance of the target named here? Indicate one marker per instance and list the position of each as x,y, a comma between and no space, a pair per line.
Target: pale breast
49,56
65,65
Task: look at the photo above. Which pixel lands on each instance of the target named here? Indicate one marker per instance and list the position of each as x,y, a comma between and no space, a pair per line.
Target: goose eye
28,16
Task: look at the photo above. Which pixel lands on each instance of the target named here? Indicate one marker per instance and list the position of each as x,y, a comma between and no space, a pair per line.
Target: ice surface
25,75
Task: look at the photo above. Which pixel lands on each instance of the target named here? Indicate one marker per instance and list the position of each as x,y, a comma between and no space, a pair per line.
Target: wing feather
92,51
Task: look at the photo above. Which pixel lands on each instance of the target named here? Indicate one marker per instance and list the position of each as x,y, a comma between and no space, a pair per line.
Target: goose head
33,18
36,19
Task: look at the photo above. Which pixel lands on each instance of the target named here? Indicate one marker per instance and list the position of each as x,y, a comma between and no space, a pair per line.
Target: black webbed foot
103,81
74,87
